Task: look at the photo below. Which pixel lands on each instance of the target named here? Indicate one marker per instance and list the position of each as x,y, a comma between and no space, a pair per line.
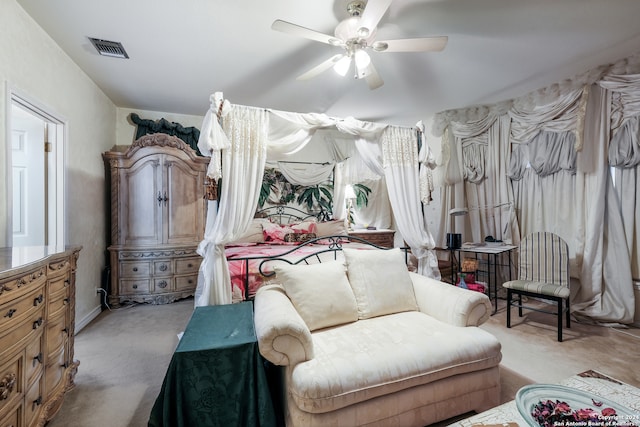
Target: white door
36,158
29,178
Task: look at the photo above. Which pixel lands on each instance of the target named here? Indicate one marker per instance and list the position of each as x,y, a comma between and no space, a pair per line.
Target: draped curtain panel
247,140
563,142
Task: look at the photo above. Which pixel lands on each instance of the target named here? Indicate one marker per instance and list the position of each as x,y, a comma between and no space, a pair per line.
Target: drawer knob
10,313
163,284
135,268
66,331
37,358
189,265
38,300
37,402
190,281
67,282
37,323
6,385
135,286
164,267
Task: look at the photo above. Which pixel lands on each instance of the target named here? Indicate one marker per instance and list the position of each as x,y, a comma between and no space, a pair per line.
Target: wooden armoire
158,214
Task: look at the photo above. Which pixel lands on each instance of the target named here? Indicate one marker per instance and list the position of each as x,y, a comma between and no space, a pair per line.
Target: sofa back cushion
380,281
320,293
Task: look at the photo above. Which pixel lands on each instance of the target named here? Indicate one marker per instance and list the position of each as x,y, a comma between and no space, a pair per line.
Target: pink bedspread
244,271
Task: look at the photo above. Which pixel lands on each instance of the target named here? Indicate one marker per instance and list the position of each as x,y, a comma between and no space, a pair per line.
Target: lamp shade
349,192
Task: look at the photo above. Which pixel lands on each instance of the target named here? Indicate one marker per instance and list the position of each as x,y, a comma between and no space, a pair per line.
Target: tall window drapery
560,152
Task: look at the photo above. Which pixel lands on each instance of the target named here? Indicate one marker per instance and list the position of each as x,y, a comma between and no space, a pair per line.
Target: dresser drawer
13,418
162,268
54,373
139,286
188,265
17,286
23,331
34,359
186,283
14,311
380,238
57,333
33,402
59,285
162,285
11,375
135,269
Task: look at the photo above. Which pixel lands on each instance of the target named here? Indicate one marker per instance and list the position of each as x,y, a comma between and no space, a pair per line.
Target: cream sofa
365,342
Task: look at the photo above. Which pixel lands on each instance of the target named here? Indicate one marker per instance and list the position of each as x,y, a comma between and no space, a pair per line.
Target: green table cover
216,376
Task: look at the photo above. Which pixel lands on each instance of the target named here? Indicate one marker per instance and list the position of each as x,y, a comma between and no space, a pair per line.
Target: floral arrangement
549,413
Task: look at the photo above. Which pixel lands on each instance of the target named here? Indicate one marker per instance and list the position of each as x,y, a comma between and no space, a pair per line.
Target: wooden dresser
158,214
37,322
382,238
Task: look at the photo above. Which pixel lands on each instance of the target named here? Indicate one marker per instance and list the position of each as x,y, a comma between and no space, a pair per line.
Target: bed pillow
320,293
254,233
331,228
276,233
380,281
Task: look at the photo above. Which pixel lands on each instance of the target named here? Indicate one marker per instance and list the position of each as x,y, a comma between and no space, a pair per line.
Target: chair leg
560,319
568,314
508,308
520,305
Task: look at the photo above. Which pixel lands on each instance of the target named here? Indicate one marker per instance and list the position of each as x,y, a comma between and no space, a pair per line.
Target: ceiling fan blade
321,67
374,81
297,30
425,44
373,12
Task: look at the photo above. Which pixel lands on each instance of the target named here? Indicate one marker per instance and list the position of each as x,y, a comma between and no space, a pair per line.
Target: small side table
382,238
217,376
492,254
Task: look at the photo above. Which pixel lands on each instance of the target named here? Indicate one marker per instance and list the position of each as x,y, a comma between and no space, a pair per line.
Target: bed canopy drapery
240,140
550,154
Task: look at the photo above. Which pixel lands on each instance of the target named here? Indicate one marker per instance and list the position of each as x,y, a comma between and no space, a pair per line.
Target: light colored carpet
124,355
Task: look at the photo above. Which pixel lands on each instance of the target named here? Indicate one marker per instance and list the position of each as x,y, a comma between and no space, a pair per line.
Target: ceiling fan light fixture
380,46
362,59
342,66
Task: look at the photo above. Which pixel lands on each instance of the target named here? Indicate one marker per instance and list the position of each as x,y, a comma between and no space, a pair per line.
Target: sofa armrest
283,337
449,303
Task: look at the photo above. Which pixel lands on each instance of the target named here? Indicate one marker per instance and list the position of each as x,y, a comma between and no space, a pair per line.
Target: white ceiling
181,51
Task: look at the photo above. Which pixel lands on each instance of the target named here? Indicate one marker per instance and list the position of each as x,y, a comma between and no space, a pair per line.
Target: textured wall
35,67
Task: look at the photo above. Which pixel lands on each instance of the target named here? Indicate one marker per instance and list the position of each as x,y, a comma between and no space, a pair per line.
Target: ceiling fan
356,35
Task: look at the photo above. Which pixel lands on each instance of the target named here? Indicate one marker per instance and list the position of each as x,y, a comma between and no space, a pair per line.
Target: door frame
55,229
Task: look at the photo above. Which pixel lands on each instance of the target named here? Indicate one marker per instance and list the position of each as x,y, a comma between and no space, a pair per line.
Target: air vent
109,48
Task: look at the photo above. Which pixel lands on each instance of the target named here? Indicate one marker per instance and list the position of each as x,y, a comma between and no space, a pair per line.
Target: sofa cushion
320,293
380,281
374,357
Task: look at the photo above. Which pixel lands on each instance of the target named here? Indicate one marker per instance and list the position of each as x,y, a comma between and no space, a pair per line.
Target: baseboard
88,318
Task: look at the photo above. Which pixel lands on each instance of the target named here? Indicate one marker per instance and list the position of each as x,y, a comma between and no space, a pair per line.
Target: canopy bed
240,140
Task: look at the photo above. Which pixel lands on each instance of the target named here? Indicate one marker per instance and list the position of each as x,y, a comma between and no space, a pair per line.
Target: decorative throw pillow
254,232
380,281
320,293
276,233
298,237
331,228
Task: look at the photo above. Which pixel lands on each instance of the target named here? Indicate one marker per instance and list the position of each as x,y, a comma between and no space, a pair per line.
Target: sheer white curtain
310,174
397,156
242,170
